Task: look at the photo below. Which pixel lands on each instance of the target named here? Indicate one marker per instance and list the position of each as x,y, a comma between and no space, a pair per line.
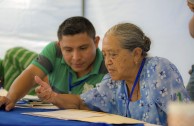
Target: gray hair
131,37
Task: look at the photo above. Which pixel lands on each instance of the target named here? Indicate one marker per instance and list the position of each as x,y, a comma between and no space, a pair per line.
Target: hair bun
147,43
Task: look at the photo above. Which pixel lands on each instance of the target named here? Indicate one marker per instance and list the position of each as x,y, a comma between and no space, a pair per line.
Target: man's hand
44,91
6,104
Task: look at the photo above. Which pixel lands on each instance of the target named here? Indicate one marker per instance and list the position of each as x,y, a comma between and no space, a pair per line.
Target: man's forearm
20,87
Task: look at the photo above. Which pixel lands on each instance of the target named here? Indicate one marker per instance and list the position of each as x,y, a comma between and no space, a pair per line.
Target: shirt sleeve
99,98
46,58
168,83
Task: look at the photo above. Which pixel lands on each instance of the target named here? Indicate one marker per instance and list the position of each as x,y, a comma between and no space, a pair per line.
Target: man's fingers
9,106
2,100
6,103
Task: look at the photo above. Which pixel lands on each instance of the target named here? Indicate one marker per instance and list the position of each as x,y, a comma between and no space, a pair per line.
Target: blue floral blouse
160,82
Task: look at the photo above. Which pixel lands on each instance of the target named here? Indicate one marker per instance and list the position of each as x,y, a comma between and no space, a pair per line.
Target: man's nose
76,55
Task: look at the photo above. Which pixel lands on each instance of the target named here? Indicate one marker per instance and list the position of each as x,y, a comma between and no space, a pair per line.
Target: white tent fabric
34,23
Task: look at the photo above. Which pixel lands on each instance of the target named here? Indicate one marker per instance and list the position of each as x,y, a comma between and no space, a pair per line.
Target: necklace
133,88
136,79
136,92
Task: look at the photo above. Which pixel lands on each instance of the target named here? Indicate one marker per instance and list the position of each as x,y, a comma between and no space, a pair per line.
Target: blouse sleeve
99,98
168,84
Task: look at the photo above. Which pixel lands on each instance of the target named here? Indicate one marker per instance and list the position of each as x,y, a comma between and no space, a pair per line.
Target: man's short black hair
76,25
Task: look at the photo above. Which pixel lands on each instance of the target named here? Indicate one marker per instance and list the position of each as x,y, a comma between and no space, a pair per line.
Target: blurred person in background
190,85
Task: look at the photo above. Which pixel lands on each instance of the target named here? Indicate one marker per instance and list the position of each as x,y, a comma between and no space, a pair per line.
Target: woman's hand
44,91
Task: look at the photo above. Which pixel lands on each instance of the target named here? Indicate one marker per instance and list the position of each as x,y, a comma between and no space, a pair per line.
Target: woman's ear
137,53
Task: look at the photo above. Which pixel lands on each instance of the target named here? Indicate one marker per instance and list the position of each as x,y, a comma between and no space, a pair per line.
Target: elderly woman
137,86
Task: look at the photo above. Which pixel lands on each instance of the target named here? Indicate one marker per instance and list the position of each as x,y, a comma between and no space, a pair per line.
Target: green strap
179,96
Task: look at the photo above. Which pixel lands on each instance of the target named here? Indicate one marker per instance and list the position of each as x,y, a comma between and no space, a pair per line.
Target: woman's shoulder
157,60
160,62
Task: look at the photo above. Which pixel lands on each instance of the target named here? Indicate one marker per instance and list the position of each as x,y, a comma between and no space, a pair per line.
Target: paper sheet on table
88,116
3,92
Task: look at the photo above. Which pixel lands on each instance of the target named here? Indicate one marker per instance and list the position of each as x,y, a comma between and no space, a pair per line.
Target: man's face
79,52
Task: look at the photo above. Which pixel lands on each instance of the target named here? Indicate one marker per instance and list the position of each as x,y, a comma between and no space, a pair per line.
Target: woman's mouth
111,71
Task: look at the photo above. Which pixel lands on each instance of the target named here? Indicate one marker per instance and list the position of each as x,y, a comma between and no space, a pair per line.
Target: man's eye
68,50
83,48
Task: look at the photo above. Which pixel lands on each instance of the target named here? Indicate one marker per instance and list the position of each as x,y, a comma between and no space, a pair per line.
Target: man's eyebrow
66,47
84,45
111,50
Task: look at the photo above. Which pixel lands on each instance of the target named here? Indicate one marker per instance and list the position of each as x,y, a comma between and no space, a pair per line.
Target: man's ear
96,41
137,53
58,43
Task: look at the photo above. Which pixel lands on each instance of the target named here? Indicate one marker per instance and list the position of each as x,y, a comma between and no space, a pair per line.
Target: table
15,118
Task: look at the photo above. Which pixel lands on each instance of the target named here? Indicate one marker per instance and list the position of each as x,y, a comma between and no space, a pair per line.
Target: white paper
69,114
87,116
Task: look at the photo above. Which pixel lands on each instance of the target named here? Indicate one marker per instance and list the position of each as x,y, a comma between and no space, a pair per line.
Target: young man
74,64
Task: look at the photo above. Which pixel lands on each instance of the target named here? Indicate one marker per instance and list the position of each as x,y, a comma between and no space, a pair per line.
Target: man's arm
191,26
21,86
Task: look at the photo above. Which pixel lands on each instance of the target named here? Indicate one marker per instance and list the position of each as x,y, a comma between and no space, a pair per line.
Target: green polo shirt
52,63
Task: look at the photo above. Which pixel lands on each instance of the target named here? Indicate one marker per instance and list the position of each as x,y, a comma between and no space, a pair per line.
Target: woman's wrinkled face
118,61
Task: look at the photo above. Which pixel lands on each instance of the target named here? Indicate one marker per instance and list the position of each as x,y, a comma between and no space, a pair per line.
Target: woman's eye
113,54
83,48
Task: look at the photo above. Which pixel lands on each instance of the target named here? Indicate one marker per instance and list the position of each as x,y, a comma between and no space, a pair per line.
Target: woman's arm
69,101
63,101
